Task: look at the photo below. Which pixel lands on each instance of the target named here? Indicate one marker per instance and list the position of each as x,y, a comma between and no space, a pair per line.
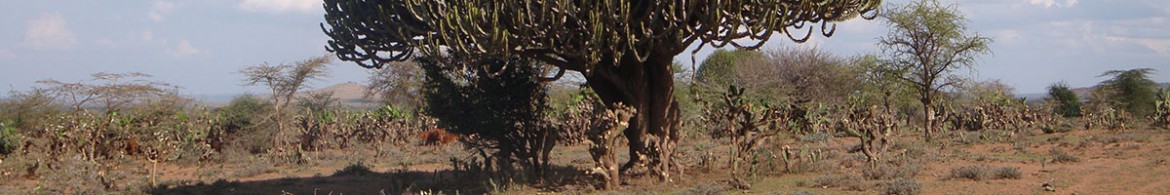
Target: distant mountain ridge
348,93
1082,93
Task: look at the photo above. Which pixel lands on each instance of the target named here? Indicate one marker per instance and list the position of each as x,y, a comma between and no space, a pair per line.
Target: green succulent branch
569,34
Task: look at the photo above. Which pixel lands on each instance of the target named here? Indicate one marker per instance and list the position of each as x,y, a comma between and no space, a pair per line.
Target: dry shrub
355,169
1006,173
256,166
892,171
846,181
904,186
708,188
78,176
1060,156
972,172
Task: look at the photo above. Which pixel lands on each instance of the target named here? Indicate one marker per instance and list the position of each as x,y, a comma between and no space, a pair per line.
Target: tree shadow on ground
359,179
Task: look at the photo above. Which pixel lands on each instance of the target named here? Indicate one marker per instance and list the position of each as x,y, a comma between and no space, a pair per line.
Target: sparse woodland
495,111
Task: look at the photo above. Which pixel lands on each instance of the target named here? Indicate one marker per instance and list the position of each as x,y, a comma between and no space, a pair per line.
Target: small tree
928,41
719,69
1065,101
880,85
503,105
284,81
624,49
1132,89
398,84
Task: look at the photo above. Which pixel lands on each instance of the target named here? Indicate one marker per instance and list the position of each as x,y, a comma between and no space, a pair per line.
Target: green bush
1066,102
8,140
240,124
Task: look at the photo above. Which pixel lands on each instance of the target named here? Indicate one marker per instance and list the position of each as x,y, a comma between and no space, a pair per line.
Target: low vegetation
794,119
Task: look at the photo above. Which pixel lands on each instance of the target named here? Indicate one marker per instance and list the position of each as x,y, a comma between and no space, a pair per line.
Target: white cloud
184,49
49,32
134,39
1007,35
145,36
1159,46
158,9
1053,3
6,54
280,6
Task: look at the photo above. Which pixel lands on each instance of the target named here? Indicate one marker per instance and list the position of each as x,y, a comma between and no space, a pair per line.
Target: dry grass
972,172
845,181
1060,156
1006,173
903,187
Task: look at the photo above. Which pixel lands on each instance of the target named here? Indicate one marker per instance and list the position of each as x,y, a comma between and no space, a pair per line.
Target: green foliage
503,105
719,67
1066,102
575,35
318,102
928,63
476,102
391,112
1162,109
880,85
240,122
8,138
1132,90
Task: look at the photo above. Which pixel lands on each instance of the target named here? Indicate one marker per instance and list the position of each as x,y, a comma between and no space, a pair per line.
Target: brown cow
437,136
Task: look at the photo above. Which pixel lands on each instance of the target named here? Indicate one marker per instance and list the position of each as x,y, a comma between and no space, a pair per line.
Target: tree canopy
1132,90
927,42
574,35
624,49
1067,102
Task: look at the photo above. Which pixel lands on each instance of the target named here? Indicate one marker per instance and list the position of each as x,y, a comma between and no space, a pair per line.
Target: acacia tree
1132,90
623,48
284,81
110,91
928,41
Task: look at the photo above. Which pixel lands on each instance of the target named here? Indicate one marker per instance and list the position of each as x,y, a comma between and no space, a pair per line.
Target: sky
201,45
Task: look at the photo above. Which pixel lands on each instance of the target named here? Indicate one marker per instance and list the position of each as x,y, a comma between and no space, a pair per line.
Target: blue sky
199,45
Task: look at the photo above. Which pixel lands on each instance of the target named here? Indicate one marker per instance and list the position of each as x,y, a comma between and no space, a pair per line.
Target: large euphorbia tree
623,48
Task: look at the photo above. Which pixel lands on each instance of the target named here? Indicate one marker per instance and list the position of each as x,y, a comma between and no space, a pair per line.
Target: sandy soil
1110,162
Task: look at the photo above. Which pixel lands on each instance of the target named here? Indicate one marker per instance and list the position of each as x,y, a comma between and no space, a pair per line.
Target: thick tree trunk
647,86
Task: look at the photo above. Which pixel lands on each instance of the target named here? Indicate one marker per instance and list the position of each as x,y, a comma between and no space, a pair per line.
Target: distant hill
349,93
1082,93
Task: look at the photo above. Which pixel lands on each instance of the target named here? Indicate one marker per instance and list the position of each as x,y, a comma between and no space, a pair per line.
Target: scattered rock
1048,187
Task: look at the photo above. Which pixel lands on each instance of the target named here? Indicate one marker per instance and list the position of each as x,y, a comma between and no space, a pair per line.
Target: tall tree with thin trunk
623,48
929,41
284,81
